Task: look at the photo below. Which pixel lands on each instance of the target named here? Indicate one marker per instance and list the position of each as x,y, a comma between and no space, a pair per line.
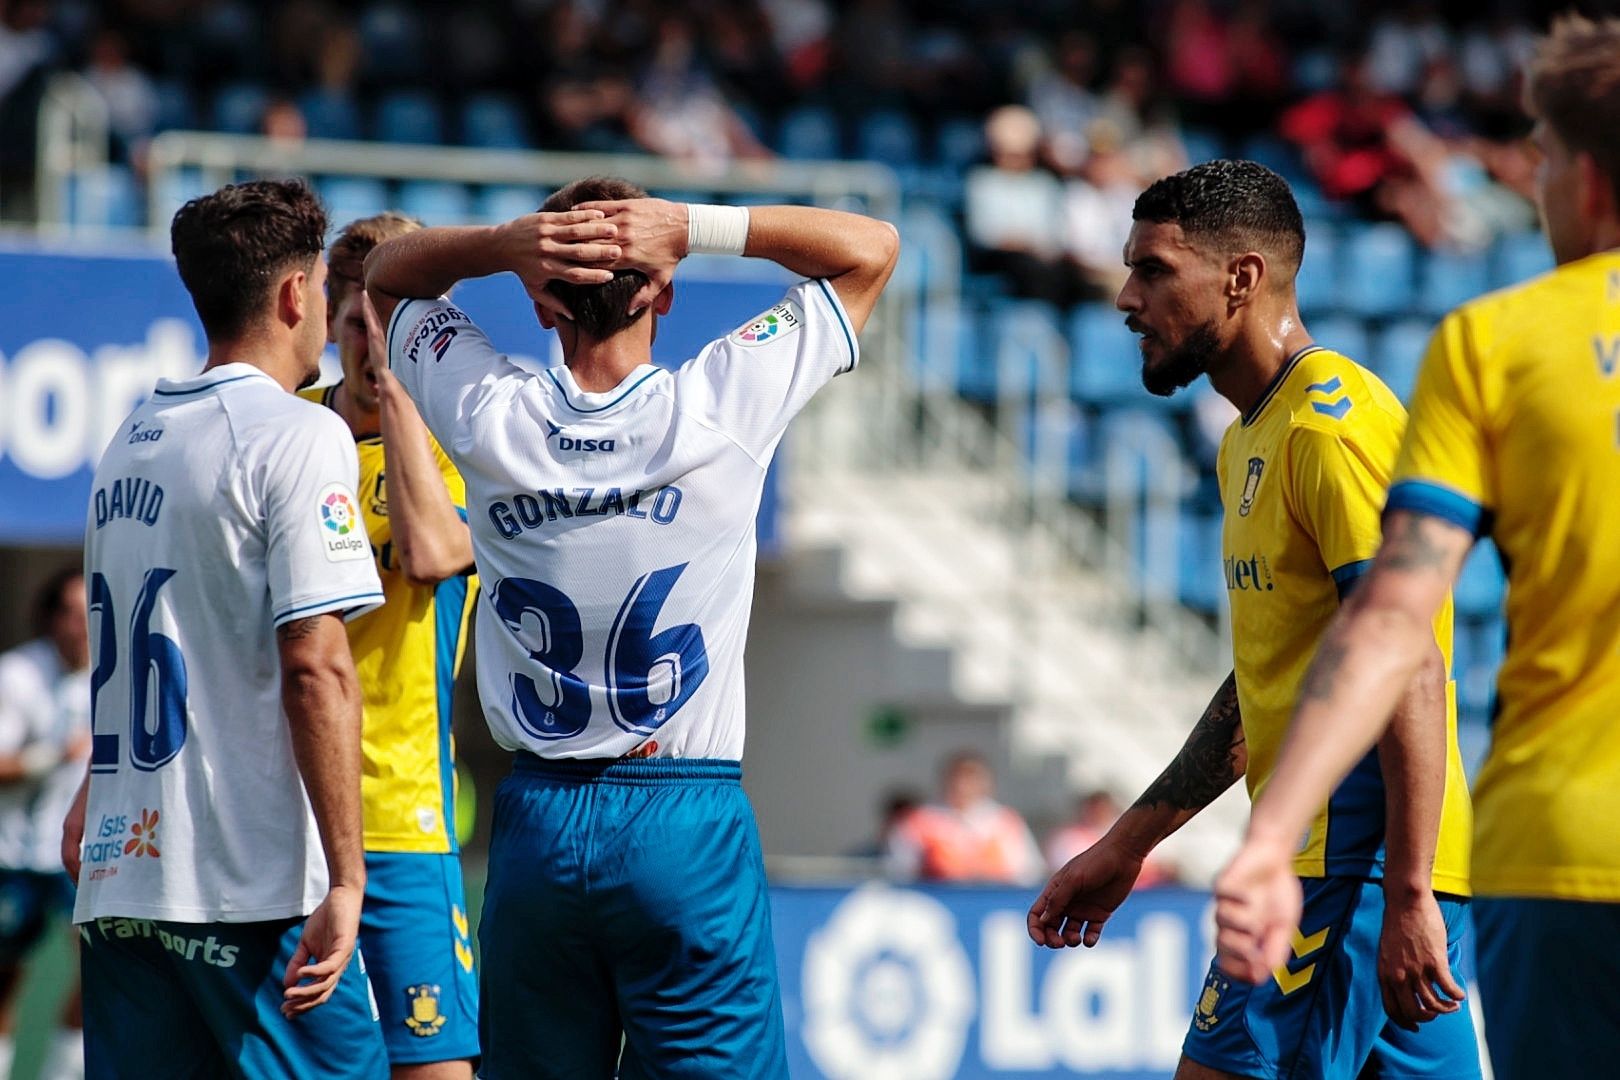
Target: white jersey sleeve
317,556
760,375
446,363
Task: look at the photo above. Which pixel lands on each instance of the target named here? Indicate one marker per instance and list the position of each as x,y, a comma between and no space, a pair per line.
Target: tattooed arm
1362,670
1081,897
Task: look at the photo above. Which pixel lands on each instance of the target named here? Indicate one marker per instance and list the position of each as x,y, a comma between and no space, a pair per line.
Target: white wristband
716,230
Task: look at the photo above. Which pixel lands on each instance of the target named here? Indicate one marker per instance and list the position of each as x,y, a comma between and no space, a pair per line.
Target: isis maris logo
143,837
425,1019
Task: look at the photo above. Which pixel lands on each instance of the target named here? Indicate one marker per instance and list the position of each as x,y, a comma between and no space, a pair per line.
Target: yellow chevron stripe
465,955
1290,981
1304,946
460,919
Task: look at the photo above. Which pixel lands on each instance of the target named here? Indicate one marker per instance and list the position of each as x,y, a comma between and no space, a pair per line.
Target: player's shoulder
1331,395
266,416
1522,314
422,329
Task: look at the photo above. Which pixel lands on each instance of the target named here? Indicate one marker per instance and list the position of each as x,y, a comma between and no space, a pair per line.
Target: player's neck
257,350
599,366
361,423
1246,370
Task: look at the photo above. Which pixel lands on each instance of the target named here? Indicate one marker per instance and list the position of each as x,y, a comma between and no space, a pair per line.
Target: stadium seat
1201,583
888,136
436,203
1277,155
391,42
1318,281
494,121
1376,269
1482,583
409,116
330,114
1202,145
350,197
1343,334
1451,278
809,133
239,107
176,187
177,109
503,202
974,356
1028,349
1520,257
1105,364
959,142
1399,354
104,197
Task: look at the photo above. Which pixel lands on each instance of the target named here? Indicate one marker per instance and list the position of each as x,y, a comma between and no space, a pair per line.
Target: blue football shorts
203,1000
419,955
627,905
29,899
1549,984
1322,1015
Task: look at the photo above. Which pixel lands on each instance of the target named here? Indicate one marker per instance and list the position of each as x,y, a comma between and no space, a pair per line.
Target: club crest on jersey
1204,1017
425,1019
341,534
774,325
1245,504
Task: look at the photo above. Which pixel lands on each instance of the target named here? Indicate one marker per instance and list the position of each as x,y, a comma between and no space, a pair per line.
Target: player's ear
292,302
545,317
1245,275
665,300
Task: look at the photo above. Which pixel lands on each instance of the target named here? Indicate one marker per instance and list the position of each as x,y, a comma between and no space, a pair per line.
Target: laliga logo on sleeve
775,324
340,525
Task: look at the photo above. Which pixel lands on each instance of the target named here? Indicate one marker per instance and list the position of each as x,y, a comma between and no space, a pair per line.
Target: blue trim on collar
203,389
552,375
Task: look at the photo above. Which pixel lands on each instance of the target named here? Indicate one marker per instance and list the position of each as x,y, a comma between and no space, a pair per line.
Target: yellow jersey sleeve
1334,491
1444,468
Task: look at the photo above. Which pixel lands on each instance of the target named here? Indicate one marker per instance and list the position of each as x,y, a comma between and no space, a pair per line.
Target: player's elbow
882,251
428,563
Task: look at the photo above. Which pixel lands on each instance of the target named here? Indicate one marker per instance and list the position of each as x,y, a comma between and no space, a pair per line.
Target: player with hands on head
626,924
1212,256
1512,436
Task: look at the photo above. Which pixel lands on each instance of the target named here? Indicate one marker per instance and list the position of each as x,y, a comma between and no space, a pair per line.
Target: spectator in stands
1012,207
132,104
283,121
1063,97
1097,205
1134,103
680,113
967,835
800,30
1404,42
1094,813
897,807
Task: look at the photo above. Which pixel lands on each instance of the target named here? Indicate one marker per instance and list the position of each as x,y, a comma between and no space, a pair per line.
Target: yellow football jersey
1516,434
1303,478
406,654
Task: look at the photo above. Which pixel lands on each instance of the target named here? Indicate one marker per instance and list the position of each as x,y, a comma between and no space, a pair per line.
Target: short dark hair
600,311
1573,85
346,262
48,601
231,245
1241,203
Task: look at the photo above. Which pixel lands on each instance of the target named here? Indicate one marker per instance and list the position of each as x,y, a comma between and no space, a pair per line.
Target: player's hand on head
652,237
1414,970
1082,896
1258,902
324,948
576,246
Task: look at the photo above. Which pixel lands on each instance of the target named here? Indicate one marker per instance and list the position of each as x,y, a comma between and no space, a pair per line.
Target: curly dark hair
231,246
600,311
1241,204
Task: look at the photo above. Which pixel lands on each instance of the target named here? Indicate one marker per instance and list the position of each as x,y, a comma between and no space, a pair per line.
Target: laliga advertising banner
886,983
89,331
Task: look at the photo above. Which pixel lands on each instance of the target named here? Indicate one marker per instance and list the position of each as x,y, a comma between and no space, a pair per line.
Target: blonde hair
346,262
1573,86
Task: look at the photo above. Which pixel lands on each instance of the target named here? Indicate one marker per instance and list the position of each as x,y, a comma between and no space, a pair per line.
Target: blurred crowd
1400,109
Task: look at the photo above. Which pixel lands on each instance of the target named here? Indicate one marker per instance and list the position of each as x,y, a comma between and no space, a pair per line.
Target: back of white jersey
223,507
614,532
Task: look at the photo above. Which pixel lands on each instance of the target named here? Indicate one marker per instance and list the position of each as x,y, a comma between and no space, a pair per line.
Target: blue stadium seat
391,42
1275,154
1318,281
1201,582
409,116
1452,278
106,197
436,203
503,202
888,136
239,107
1202,145
1028,349
178,187
1482,584
177,109
330,114
1105,365
809,133
959,142
1343,334
1519,257
494,121
1399,354
350,197
974,355
1376,269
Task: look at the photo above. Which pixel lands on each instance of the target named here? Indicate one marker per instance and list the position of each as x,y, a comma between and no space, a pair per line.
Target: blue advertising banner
88,333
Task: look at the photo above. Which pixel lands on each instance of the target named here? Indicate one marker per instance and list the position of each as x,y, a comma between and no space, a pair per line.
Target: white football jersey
614,532
223,507
41,703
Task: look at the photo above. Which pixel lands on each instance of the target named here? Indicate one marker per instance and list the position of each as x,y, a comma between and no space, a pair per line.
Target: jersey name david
1302,481
222,508
614,531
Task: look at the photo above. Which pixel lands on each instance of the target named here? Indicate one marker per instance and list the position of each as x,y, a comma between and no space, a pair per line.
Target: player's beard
1182,365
